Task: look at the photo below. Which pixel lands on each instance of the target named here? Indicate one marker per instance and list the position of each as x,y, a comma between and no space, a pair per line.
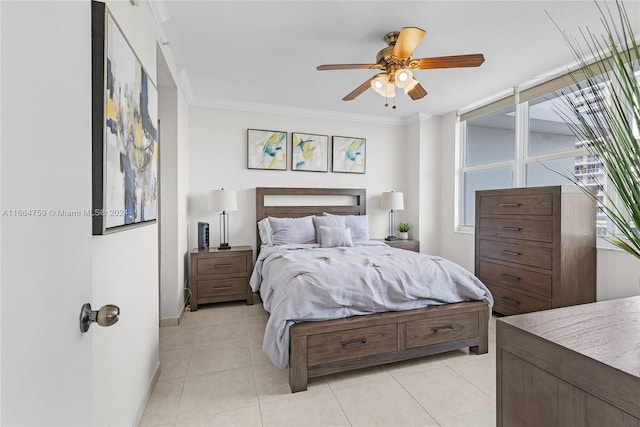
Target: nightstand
410,245
221,275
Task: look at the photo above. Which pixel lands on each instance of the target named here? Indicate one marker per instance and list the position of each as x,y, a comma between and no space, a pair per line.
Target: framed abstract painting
124,131
309,152
266,149
349,154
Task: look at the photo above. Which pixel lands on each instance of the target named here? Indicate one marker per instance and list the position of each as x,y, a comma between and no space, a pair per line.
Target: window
489,154
527,145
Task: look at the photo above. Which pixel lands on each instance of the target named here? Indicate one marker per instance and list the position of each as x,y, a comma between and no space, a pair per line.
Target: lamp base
224,246
388,238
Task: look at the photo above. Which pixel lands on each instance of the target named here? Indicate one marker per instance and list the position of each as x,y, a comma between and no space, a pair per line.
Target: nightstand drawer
220,287
222,265
350,344
520,204
535,256
518,228
433,331
508,302
514,278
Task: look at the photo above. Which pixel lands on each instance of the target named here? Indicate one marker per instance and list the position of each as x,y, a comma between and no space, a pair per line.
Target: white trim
145,399
300,112
159,11
185,84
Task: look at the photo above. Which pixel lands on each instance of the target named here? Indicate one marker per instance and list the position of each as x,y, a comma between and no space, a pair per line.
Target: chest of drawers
535,247
221,275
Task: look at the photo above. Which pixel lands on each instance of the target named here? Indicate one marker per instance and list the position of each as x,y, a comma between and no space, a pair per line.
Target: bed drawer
342,345
534,256
511,302
220,266
222,287
437,330
516,278
520,204
517,228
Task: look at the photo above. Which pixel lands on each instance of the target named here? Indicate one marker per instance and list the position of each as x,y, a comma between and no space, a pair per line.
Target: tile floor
214,373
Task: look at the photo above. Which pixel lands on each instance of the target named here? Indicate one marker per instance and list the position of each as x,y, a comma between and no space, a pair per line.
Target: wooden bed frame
328,347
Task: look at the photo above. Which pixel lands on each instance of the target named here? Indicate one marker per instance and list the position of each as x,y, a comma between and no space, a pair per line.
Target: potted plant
610,123
403,228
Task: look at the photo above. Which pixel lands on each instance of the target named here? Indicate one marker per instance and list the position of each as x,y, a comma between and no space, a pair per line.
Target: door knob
106,316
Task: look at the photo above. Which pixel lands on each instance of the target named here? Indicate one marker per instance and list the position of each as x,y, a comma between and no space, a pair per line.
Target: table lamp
392,201
223,201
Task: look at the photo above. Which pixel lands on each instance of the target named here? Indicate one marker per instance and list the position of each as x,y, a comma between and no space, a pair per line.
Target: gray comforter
305,282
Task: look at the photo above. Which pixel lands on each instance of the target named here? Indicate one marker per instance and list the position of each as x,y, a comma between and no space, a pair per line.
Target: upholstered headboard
355,202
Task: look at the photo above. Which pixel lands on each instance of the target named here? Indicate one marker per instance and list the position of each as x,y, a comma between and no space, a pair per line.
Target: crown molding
159,11
225,104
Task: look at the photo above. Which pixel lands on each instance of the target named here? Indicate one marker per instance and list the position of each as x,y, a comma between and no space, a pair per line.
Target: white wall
218,158
126,269
618,273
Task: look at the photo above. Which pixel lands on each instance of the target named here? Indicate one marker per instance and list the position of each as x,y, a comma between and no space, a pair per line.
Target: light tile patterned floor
214,373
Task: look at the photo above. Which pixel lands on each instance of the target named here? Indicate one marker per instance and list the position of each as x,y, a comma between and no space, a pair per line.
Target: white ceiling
262,55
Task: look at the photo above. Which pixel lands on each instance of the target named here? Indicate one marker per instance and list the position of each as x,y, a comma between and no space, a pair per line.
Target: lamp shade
223,200
392,200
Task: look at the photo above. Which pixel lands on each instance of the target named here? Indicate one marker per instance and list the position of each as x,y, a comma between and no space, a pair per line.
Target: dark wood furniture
408,244
573,366
322,348
221,275
536,247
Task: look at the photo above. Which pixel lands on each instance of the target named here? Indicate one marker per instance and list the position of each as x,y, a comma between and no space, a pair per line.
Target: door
45,179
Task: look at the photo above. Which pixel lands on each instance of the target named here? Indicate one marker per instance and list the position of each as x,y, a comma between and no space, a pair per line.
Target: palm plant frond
608,124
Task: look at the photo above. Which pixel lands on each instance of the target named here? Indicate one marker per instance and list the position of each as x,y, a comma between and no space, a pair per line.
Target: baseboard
147,396
172,321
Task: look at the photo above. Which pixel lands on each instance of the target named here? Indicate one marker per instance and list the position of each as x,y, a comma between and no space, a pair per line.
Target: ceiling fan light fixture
403,77
379,84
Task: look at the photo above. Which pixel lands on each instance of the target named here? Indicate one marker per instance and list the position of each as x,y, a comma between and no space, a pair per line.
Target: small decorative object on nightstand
221,275
409,244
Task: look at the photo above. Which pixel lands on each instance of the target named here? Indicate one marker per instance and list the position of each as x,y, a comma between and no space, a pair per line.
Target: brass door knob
106,316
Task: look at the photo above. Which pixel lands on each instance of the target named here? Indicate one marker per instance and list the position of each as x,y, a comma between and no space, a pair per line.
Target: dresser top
607,331
213,249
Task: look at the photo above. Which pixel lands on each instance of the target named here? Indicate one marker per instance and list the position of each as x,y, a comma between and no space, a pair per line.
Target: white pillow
292,230
265,231
359,225
335,221
330,237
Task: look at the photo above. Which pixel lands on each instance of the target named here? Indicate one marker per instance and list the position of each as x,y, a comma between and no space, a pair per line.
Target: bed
323,347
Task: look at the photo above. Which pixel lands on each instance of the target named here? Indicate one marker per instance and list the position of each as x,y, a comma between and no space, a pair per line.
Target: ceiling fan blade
345,67
408,40
360,89
417,92
456,61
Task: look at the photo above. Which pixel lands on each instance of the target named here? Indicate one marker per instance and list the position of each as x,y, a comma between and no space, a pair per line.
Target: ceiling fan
397,66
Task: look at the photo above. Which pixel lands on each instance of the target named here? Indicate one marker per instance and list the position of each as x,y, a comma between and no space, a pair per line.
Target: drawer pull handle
445,329
510,301
509,276
511,253
223,287
508,205
356,343
223,265
511,228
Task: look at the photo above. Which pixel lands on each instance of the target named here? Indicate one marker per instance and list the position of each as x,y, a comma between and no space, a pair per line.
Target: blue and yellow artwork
349,154
266,149
131,136
309,152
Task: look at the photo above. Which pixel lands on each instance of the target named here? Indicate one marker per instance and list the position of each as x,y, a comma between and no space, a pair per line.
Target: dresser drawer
534,256
518,228
350,344
222,287
222,265
432,331
515,278
520,204
511,302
